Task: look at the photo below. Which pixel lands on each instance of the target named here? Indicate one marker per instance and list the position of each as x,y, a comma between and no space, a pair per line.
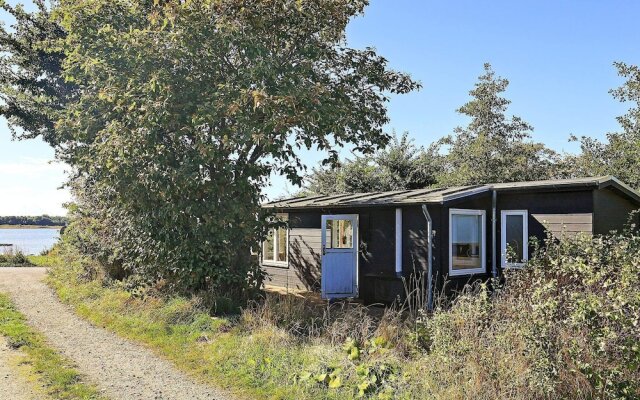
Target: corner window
515,243
275,249
467,242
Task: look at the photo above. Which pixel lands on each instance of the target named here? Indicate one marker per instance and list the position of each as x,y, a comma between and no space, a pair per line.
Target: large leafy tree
33,92
183,110
401,165
493,147
620,154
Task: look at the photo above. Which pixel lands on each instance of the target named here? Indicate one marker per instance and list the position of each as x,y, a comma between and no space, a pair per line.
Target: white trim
398,240
525,237
465,193
483,244
276,244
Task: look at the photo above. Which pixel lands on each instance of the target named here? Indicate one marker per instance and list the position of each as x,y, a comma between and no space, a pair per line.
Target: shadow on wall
306,263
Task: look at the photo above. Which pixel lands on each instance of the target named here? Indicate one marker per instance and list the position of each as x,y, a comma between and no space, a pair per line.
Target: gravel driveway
121,369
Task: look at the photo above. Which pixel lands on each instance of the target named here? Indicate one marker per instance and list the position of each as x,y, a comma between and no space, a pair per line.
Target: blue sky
557,55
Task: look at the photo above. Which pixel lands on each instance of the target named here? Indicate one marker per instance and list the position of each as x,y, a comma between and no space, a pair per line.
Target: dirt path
122,369
13,385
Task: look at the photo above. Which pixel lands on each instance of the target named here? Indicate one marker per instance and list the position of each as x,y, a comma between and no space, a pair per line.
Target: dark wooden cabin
361,245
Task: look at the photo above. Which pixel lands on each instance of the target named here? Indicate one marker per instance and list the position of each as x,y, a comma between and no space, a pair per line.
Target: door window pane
514,238
339,234
466,241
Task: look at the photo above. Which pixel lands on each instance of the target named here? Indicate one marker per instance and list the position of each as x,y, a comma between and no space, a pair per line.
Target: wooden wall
563,212
612,211
565,225
303,270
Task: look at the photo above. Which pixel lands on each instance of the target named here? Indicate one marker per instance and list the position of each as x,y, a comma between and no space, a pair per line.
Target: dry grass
567,327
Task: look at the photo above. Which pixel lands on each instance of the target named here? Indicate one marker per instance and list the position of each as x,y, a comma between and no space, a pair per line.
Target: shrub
14,259
565,326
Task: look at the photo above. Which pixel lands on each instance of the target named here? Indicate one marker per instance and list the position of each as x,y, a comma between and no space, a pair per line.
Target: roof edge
612,181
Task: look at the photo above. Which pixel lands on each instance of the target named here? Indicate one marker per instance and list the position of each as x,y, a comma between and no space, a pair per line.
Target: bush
568,326
14,259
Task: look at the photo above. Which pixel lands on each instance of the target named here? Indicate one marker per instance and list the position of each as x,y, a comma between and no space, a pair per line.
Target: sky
557,55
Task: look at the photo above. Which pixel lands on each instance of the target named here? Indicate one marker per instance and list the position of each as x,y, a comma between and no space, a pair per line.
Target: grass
15,259
56,373
244,354
564,327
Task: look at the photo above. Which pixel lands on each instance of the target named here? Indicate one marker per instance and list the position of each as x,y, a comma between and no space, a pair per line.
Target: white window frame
503,237
276,244
483,246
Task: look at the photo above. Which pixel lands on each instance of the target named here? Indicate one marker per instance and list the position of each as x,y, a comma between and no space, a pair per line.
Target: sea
29,241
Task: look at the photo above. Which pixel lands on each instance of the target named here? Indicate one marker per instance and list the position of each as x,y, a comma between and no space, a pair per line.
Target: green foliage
401,165
493,148
620,155
14,259
565,327
368,375
56,373
33,92
174,114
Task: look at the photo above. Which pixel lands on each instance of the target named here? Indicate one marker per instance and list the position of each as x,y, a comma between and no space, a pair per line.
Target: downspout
494,203
427,216
399,241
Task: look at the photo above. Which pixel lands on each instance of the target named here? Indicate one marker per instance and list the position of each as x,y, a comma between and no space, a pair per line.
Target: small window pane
282,244
466,243
339,234
514,236
268,247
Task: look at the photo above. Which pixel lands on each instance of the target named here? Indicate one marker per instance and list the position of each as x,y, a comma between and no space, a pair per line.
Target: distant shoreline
30,227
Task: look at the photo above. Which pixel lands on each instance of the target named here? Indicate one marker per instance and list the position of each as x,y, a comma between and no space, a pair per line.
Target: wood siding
561,211
612,211
303,269
565,225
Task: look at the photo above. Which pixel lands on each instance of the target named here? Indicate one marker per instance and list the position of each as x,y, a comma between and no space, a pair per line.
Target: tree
399,166
33,92
493,147
620,155
186,107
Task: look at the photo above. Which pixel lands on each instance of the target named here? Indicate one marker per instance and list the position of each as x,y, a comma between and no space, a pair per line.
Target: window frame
276,243
483,245
503,238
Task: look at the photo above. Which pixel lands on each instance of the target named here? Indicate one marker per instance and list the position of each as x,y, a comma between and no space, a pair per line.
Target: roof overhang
445,195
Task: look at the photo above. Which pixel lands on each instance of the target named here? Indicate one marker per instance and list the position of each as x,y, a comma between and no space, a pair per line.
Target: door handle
324,250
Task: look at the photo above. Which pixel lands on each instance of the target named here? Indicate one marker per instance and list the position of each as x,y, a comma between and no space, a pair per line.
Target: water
29,241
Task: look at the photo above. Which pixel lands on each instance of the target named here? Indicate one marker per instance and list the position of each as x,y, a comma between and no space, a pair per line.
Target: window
275,249
339,234
466,242
515,243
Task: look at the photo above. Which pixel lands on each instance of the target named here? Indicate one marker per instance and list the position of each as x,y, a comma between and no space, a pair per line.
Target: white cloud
31,186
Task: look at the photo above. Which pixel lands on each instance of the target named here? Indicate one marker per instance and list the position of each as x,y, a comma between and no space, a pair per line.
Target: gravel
121,369
13,385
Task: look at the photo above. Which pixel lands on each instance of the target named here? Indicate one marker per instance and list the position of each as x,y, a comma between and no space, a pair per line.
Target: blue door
339,256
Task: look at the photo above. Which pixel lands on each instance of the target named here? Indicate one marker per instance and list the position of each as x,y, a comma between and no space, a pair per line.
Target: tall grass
14,258
566,326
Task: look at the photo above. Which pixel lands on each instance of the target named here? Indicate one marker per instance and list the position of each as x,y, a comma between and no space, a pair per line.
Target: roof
443,195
